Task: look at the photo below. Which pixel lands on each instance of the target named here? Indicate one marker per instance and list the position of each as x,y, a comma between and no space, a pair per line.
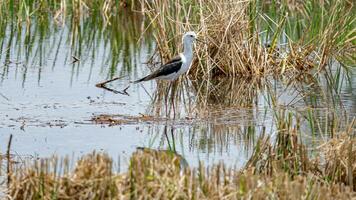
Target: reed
314,33
236,33
284,170
41,38
252,41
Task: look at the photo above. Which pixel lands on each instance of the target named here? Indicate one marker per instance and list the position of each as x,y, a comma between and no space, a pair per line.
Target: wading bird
176,66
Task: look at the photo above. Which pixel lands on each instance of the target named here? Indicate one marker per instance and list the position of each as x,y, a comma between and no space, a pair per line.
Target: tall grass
237,30
251,40
31,32
245,39
283,170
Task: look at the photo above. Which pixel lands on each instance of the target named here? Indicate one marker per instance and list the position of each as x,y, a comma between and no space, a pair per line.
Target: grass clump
50,179
246,39
284,170
250,42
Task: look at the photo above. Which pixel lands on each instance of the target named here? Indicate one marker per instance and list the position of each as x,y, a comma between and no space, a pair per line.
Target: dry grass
233,32
284,170
223,25
236,31
247,40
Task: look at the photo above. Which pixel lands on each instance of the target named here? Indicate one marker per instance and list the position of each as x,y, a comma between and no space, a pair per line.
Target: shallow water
47,103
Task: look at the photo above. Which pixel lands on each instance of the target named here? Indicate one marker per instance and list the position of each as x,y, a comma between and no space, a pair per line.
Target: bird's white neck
187,48
188,51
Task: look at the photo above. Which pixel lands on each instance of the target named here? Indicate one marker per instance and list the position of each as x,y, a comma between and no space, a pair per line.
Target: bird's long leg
174,83
167,99
174,109
166,103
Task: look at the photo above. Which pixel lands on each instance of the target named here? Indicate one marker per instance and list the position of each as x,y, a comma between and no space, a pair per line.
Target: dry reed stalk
281,171
156,176
231,30
224,25
340,156
8,157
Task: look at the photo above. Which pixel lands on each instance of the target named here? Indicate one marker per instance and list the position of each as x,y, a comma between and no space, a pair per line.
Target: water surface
47,101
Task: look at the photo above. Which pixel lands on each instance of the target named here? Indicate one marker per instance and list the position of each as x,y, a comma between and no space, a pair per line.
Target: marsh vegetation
267,110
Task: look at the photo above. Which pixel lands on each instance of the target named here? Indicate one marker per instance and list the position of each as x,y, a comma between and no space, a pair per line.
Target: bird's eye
191,35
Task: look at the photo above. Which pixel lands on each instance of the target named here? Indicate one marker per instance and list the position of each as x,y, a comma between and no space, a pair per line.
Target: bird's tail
146,78
141,79
137,81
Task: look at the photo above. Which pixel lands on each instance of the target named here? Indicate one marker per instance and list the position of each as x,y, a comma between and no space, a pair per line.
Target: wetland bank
266,111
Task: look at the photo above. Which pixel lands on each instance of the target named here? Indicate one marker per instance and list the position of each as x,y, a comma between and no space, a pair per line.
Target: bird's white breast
186,62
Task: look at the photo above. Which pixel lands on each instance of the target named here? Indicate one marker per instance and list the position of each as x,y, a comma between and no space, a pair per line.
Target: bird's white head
189,37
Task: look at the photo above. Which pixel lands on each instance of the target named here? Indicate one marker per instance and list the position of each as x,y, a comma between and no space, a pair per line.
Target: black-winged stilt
176,66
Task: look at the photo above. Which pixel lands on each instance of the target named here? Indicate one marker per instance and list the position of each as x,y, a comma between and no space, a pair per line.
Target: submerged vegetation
284,170
308,46
243,38
33,31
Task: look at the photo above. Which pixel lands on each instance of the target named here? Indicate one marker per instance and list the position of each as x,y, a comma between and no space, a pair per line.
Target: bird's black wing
172,66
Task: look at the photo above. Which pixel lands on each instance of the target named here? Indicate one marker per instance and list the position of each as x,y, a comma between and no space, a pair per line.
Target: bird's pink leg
174,110
173,97
166,101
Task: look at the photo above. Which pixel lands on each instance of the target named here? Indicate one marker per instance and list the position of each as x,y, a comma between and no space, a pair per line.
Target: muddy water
47,102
